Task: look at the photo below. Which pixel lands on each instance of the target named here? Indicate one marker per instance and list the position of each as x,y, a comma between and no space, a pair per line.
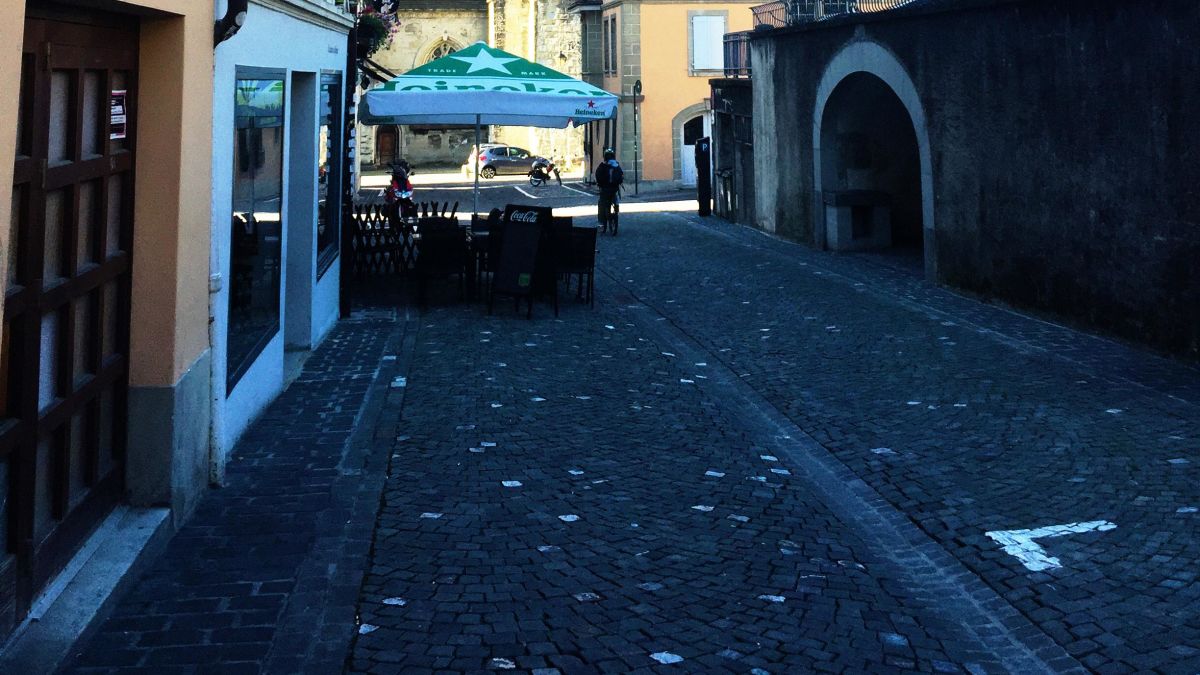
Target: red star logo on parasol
591,104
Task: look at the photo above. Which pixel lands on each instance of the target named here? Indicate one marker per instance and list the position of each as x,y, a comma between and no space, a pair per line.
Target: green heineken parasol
489,86
483,85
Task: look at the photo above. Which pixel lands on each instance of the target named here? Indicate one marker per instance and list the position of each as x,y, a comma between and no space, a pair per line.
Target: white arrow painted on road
1021,545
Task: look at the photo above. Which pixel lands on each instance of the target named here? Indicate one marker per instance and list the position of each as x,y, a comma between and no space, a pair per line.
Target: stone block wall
1062,145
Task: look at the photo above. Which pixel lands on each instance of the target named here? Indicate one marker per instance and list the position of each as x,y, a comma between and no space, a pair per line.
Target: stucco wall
1063,146
270,39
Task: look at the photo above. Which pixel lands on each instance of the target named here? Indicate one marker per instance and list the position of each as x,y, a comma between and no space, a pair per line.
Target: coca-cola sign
524,217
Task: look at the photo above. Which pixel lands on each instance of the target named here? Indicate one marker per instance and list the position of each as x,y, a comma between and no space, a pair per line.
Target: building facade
172,231
276,110
1050,174
544,31
429,29
680,50
105,315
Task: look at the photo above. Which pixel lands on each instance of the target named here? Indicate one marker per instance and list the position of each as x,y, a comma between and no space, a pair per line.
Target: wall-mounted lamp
228,25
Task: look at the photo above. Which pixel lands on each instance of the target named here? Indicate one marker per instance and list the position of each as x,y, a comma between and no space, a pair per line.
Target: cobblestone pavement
967,418
265,575
749,457
548,500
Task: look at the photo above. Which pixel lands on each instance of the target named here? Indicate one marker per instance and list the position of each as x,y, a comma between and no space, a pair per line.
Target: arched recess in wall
677,123
872,58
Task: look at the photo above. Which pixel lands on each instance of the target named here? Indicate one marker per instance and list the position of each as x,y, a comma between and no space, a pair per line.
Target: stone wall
420,31
1062,149
557,43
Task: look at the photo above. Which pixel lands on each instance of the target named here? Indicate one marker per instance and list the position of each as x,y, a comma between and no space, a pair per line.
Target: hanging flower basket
374,34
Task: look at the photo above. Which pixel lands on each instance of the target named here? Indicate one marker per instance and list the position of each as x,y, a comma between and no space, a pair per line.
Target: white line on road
518,189
586,194
1020,544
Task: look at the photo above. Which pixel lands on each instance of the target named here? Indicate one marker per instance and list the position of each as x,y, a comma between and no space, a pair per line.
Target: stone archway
885,154
677,123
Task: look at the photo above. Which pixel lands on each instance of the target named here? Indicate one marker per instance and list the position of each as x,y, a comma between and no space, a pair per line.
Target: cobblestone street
750,457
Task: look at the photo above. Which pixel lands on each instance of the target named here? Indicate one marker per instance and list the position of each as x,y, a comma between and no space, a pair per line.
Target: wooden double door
63,361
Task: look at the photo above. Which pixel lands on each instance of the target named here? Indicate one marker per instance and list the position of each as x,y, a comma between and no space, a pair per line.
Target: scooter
399,194
540,173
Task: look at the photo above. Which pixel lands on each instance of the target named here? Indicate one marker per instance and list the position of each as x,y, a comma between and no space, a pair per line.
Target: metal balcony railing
806,11
773,14
737,54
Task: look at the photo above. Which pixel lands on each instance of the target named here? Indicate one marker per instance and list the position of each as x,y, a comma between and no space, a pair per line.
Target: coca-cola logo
524,217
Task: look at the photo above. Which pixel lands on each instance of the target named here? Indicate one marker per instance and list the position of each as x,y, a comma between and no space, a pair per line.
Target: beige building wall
654,46
169,342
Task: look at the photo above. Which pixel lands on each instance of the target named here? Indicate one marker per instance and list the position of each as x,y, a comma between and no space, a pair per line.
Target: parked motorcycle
541,171
399,193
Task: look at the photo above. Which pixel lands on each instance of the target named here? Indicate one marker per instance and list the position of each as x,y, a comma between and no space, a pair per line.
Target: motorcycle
399,194
540,173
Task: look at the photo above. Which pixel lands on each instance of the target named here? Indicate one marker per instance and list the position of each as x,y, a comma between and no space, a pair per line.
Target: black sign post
704,175
637,169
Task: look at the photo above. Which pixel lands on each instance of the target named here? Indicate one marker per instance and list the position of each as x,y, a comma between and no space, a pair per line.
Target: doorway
693,130
66,305
387,144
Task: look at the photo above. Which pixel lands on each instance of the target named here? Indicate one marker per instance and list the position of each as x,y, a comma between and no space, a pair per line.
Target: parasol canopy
484,85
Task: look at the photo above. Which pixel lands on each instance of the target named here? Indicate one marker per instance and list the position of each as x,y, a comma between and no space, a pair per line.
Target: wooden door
385,146
66,304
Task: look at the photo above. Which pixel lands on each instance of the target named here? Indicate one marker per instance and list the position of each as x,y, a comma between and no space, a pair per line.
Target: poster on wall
117,114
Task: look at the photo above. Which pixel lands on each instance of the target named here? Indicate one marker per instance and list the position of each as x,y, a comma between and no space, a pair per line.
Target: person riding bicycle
609,176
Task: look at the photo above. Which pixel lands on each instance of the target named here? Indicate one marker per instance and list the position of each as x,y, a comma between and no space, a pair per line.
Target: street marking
740,519
651,586
1020,543
1178,461
771,598
548,549
768,458
511,483
399,382
569,518
666,658
703,507
503,664
487,444
431,516
714,474
585,194
1187,509
367,628
395,602
883,451
575,472
586,597
518,189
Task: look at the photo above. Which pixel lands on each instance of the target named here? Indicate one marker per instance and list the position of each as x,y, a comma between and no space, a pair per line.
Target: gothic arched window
443,48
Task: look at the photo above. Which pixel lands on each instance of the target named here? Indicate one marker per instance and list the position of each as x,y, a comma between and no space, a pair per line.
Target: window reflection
328,174
257,221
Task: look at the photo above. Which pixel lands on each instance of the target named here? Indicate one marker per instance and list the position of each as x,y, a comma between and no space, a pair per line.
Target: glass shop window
329,173
257,228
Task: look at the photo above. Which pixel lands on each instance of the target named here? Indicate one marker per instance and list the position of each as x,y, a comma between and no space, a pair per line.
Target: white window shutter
708,48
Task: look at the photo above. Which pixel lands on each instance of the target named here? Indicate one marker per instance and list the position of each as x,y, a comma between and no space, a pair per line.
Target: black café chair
441,251
581,260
